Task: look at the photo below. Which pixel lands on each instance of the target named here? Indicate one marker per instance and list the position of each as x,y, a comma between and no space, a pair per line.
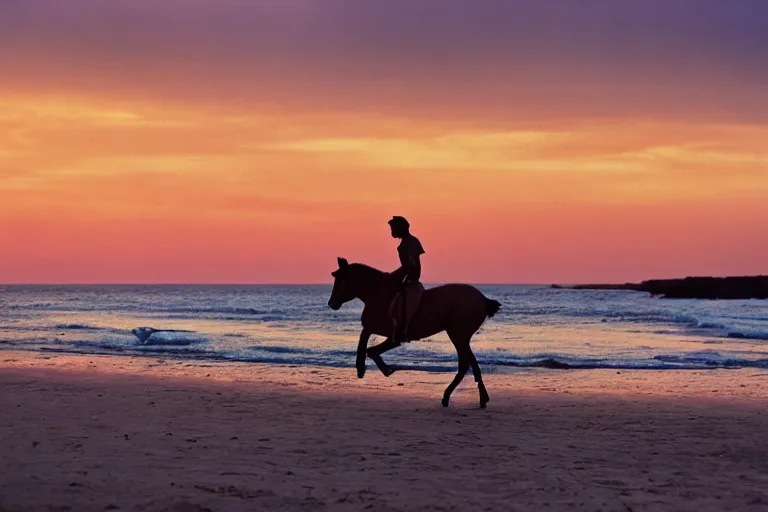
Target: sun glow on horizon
209,151
141,189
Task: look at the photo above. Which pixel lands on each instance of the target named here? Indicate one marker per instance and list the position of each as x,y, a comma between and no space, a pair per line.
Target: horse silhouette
458,309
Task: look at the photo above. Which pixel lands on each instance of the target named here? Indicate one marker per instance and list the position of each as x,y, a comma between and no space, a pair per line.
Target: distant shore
739,287
95,433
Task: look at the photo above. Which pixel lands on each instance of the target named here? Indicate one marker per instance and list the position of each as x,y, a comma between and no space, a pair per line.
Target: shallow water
293,325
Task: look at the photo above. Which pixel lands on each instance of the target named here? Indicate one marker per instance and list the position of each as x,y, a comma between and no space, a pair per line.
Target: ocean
292,325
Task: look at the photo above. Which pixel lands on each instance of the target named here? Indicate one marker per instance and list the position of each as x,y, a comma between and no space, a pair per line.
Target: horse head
354,281
343,289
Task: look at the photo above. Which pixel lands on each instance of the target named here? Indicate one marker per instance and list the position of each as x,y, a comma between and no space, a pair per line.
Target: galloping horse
458,309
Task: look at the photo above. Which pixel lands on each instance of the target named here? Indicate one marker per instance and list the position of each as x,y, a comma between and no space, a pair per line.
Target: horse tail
491,307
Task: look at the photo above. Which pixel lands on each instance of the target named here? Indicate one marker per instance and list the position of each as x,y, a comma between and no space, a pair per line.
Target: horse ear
343,263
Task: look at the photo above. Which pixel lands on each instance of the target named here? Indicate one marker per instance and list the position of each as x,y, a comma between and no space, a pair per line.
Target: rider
409,273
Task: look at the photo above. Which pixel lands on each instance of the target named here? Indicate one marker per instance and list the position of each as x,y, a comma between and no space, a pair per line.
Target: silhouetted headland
741,287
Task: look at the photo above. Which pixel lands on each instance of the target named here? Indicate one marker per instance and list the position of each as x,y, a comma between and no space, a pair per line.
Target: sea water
292,325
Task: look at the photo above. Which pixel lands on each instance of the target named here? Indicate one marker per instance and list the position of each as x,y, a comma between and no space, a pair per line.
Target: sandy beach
91,433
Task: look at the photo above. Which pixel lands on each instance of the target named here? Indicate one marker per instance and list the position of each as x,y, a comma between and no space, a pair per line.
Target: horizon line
257,284
433,283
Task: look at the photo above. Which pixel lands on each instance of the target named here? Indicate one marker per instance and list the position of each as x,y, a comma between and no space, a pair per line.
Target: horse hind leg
461,342
484,398
463,367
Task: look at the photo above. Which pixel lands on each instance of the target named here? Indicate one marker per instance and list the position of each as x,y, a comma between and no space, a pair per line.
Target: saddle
412,295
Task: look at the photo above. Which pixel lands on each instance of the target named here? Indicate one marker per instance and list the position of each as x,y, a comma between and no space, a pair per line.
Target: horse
458,309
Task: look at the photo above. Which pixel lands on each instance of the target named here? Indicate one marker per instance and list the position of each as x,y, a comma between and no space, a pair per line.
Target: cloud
602,149
196,162
489,59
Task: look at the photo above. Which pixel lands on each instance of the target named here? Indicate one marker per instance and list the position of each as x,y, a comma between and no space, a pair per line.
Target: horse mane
367,272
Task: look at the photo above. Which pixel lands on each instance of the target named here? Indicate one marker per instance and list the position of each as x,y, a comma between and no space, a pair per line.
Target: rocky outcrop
745,287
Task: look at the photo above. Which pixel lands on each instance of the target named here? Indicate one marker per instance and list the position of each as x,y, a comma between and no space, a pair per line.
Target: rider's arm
410,266
400,274
413,267
410,261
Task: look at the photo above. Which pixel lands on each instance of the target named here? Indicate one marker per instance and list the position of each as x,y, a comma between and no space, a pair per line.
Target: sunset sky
247,141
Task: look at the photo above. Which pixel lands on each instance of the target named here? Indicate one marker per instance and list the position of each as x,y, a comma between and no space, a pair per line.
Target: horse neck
370,283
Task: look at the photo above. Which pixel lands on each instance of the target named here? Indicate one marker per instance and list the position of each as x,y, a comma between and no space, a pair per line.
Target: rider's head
399,226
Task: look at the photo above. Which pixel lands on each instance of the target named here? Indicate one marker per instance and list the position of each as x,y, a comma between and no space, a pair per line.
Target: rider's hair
399,222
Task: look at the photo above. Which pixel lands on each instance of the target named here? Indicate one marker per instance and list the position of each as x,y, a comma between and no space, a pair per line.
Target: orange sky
137,166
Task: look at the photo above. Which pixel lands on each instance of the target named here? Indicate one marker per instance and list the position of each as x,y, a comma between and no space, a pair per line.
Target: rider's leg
400,335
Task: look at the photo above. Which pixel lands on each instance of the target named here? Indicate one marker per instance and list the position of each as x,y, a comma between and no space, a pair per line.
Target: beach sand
90,433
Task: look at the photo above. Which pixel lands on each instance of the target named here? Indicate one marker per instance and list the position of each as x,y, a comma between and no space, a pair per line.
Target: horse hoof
482,405
445,402
387,372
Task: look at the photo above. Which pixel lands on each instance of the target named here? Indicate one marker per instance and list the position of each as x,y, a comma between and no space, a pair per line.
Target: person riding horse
408,277
456,309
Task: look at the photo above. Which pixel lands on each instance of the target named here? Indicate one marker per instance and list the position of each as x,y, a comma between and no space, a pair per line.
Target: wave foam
152,336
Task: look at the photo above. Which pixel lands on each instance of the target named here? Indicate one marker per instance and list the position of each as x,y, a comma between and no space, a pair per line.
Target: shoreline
440,365
90,433
712,383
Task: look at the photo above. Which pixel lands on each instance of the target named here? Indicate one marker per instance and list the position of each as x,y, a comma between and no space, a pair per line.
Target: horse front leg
375,354
362,345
